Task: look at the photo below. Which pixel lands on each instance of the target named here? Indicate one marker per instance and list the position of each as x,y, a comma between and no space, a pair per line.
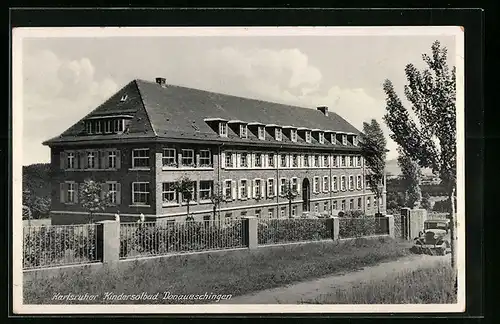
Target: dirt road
295,293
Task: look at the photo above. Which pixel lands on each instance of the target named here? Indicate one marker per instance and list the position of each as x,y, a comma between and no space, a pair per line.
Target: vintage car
435,238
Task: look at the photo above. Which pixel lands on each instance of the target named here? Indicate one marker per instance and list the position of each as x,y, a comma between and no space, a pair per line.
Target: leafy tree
373,148
289,193
428,135
93,198
38,206
217,198
411,176
185,187
426,202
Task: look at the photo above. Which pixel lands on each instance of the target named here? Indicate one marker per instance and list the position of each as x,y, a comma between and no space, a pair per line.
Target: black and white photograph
238,170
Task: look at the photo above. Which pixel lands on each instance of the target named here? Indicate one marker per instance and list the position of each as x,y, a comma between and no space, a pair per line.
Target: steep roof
179,113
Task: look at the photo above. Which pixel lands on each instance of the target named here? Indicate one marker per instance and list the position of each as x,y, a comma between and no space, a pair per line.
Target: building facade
148,135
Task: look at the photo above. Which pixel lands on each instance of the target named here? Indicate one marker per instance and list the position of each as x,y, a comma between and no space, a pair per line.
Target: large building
148,135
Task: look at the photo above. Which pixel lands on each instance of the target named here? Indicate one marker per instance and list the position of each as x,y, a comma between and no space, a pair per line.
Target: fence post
335,227
108,241
249,224
390,226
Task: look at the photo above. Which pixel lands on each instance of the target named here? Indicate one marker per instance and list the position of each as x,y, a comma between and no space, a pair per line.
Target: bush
292,230
442,206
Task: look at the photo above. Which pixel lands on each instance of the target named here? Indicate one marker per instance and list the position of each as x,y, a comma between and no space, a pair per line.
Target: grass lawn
422,286
229,273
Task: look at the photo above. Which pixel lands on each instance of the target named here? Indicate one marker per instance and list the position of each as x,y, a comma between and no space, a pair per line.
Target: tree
289,193
93,198
373,148
426,202
428,135
411,176
185,188
39,206
217,198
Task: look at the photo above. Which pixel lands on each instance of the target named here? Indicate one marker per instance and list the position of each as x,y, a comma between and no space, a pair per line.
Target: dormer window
321,138
261,132
333,138
89,127
123,98
355,140
293,135
223,129
344,139
118,125
278,134
308,136
97,127
107,126
243,131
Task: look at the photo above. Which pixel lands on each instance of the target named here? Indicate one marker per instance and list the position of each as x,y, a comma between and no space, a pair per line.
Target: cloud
56,93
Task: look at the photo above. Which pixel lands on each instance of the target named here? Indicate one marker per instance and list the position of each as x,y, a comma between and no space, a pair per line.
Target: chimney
161,81
323,109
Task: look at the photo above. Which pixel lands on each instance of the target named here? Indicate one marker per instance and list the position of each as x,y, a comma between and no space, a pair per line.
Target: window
258,160
243,131
325,184
89,127
308,137
97,127
187,157
223,129
359,183
270,213
326,161
256,188
316,161
334,205
270,159
380,201
306,160
205,158
278,134
70,193
342,206
70,156
351,161
243,189
325,206
229,159
351,182
359,203
351,204
169,193
316,184
294,184
112,160
258,213
206,190
140,158
228,189
342,183
191,194
112,192
321,138
261,132
367,182
368,202
334,161
358,160
294,211
244,160
335,185
342,160
118,125
316,208
282,186
123,98
270,187
283,160
344,139
169,157
107,126
91,159
293,135
333,138
283,212
355,140
140,193
295,160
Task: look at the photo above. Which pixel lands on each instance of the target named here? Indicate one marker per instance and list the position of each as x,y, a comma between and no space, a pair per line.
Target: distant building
149,134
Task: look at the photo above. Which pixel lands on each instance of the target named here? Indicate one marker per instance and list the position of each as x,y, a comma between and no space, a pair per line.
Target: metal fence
398,231
288,230
362,226
56,245
160,238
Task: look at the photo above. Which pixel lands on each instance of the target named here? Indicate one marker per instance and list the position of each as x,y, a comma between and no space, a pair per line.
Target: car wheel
442,251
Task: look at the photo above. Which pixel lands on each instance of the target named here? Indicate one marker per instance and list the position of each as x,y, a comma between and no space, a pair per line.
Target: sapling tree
185,188
93,198
411,175
289,193
427,131
373,148
217,198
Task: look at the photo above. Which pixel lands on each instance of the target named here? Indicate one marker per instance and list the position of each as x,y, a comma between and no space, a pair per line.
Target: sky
66,78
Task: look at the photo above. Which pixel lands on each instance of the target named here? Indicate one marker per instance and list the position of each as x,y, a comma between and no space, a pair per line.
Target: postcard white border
19,34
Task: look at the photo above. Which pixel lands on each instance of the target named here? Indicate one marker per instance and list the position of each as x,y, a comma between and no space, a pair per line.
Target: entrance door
306,195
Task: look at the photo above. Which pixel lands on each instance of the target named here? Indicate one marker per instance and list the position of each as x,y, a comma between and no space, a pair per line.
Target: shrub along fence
110,241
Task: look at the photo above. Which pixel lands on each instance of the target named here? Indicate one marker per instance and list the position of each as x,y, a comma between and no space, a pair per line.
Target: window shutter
275,158
262,188
238,160
83,158
76,193
104,159
275,188
63,160
233,156
239,189
118,193
233,185
62,192
249,189
254,194
118,159
222,160
103,190
298,186
264,160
